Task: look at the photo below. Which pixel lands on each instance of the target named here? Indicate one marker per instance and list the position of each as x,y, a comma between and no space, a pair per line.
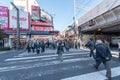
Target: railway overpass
103,21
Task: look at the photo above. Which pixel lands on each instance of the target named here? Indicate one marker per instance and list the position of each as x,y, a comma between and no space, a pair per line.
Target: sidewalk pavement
2,52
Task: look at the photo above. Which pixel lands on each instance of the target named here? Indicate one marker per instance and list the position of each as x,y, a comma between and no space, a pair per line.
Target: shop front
41,30
11,38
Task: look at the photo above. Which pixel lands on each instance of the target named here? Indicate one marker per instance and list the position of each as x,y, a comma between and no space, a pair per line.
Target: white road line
27,66
116,56
99,75
35,60
46,52
45,56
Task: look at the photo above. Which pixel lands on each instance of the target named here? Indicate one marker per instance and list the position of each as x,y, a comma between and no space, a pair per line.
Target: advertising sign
42,24
35,12
46,17
3,17
115,40
41,28
23,18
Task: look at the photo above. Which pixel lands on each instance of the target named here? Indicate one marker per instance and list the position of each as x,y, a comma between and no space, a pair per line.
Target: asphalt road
76,65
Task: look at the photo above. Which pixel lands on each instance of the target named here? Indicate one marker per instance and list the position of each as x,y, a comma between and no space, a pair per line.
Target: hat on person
99,41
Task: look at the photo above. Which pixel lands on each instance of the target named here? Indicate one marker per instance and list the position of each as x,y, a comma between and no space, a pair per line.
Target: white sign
115,40
42,37
45,16
23,19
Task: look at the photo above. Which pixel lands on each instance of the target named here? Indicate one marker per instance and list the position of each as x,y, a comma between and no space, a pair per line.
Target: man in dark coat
37,47
60,51
91,45
42,47
29,46
103,55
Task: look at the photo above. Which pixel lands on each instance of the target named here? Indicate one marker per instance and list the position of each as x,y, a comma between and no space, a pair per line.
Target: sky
62,10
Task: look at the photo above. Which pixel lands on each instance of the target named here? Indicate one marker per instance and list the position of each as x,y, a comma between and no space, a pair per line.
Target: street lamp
18,26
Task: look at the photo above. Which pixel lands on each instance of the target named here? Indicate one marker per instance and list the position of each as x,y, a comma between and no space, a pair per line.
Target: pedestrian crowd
99,50
61,46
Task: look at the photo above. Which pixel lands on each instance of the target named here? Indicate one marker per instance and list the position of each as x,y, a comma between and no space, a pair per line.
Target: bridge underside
111,30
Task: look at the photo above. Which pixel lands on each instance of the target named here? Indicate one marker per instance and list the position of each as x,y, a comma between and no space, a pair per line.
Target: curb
2,52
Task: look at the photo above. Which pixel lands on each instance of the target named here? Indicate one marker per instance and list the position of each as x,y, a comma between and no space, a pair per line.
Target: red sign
41,28
42,24
4,17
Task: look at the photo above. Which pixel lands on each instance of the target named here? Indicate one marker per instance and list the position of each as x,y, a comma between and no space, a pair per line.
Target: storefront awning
40,33
15,32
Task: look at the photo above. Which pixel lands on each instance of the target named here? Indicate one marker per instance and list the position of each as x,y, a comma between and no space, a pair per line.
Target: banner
4,17
23,19
41,28
42,24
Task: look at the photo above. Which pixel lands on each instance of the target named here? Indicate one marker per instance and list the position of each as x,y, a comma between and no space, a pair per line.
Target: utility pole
18,26
74,18
74,12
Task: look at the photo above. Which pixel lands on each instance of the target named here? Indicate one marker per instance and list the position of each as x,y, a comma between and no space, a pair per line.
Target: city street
77,29
76,65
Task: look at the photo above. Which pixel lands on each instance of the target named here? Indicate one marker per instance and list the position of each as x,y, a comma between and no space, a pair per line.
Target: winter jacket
102,52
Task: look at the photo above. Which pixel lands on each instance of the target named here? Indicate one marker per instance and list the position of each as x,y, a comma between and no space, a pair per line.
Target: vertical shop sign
3,17
35,12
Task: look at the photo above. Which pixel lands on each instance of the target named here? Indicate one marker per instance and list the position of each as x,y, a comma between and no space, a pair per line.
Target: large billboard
23,19
35,12
42,28
4,17
46,17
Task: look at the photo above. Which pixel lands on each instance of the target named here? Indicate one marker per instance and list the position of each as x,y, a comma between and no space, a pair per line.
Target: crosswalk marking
35,60
40,61
41,64
99,75
43,56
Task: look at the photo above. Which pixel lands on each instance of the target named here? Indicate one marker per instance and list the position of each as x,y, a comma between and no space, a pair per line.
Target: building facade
35,23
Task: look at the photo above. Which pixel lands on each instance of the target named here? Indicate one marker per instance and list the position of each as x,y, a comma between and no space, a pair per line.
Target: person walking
91,45
76,44
107,43
42,47
37,47
119,49
33,46
29,46
103,55
66,45
60,50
